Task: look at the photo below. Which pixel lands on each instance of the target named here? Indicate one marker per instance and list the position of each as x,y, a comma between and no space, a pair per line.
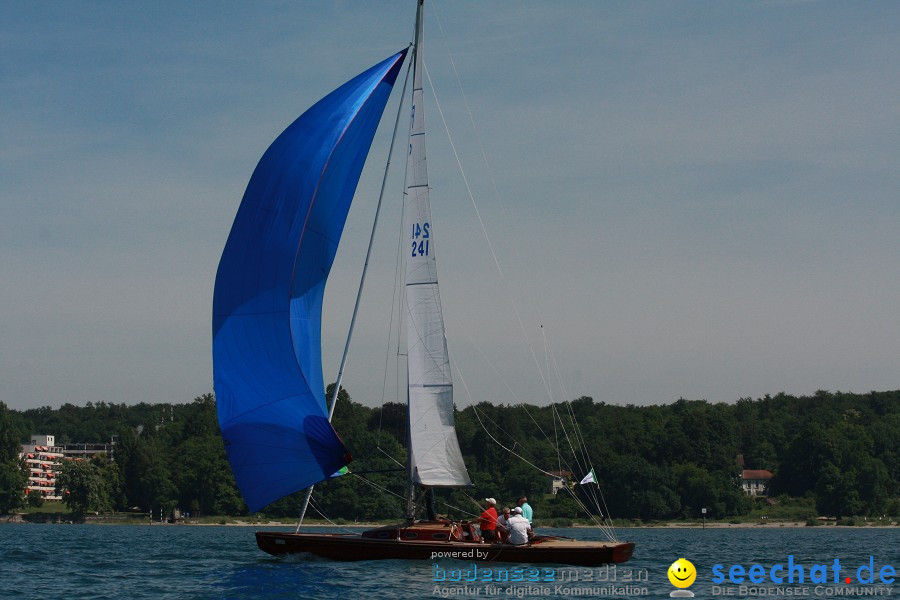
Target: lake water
127,562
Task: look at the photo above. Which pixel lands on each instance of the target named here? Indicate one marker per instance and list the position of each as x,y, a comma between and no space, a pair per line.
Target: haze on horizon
696,200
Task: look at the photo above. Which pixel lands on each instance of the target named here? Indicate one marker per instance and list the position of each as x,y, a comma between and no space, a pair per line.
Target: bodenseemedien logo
682,574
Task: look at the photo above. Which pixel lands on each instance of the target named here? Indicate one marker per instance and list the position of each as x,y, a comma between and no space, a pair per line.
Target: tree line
839,452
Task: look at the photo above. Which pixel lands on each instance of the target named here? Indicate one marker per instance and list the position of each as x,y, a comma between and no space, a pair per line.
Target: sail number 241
420,239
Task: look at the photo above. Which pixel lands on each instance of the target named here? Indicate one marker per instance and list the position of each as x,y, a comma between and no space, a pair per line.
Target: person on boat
520,531
527,511
489,521
503,525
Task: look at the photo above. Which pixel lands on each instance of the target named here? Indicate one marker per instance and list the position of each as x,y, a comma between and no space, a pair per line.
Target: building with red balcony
42,457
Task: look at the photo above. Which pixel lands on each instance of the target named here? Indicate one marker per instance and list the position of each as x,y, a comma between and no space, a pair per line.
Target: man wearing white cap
520,531
489,521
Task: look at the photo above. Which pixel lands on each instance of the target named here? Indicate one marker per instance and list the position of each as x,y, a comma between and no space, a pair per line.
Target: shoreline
95,520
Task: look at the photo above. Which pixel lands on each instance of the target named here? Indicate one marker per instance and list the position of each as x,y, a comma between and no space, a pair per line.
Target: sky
685,199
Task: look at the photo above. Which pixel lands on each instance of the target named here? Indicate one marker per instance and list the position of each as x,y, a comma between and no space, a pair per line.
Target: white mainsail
435,458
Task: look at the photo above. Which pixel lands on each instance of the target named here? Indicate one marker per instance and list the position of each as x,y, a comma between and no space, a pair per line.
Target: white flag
589,478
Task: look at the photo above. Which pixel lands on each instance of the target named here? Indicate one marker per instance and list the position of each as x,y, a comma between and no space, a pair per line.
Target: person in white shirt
520,531
503,525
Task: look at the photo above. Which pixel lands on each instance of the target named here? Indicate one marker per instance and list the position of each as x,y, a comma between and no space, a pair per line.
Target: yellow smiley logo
682,573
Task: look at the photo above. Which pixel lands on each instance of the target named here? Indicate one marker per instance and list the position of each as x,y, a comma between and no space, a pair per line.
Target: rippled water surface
96,561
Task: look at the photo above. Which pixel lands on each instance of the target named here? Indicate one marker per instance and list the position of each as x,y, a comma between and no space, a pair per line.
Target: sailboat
267,362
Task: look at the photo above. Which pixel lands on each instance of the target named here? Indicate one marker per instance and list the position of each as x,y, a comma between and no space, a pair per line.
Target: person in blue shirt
527,512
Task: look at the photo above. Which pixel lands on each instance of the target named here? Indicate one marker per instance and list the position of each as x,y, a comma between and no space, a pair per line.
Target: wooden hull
351,547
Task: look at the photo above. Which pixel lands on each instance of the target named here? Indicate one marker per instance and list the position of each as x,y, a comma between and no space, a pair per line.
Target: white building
756,482
42,458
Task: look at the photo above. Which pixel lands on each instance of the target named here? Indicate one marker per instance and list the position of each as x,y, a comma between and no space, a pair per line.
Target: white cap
517,510
490,501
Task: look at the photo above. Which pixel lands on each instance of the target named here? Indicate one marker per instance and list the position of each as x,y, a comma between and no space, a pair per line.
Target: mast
434,458
417,98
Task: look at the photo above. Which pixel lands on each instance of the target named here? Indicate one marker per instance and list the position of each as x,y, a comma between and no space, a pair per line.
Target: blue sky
696,199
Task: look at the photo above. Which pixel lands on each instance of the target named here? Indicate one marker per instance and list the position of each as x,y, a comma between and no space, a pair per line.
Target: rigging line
556,415
602,525
493,254
496,190
379,471
508,434
321,514
484,229
420,501
587,466
607,530
362,281
562,425
599,524
605,509
605,524
503,207
396,287
478,416
462,510
547,362
552,405
523,405
566,435
565,432
475,129
434,298
561,459
378,487
579,437
556,435
547,437
384,490
391,457
589,469
515,247
494,369
503,210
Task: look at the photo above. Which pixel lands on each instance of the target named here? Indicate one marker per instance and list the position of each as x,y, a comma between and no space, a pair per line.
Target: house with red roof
755,482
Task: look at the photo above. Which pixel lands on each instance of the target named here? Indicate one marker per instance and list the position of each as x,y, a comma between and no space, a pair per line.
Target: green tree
203,478
154,485
841,451
13,475
112,482
81,484
35,500
12,486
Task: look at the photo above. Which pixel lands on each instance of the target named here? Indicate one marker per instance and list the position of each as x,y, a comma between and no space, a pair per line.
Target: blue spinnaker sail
267,306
